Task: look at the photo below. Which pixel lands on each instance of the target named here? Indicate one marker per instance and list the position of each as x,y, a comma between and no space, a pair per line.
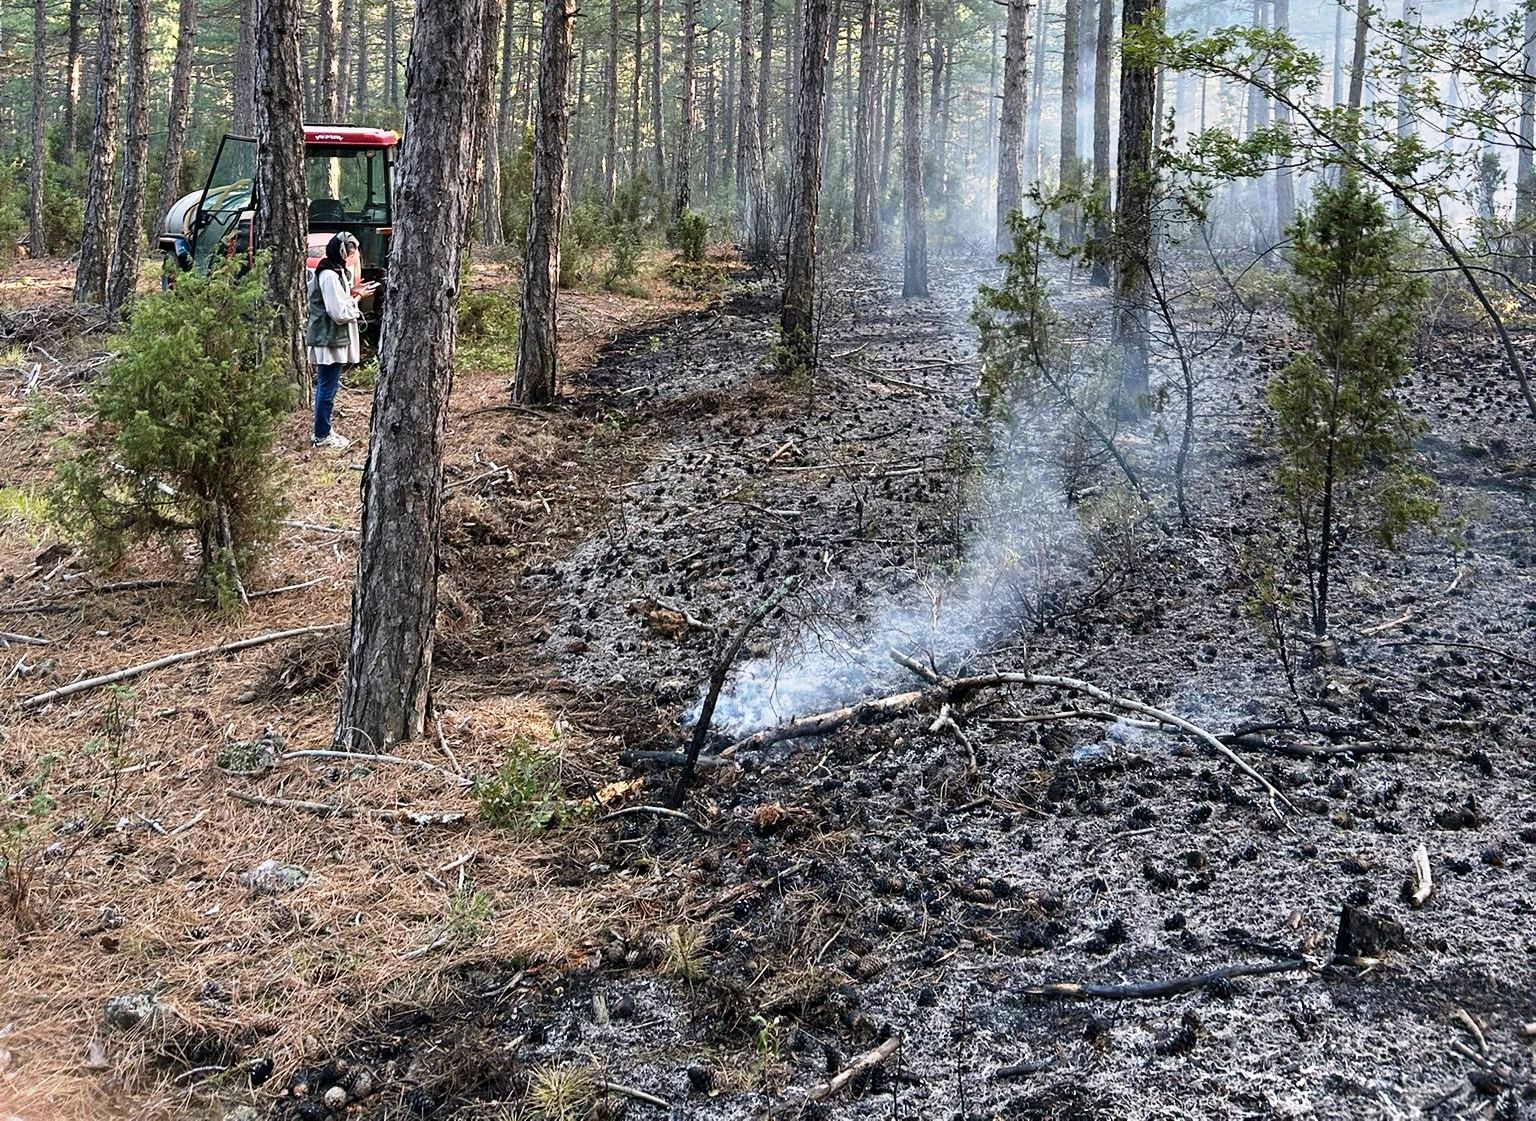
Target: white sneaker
335,440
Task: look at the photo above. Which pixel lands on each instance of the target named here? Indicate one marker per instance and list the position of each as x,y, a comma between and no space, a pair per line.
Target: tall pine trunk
1285,182
537,360
1525,174
659,158
392,54
179,112
360,66
634,91
866,219
386,691
100,221
72,83
914,204
1133,210
686,110
487,150
128,246
1036,96
751,184
611,107
243,74
1010,129
797,318
328,48
37,243
1068,169
281,216
1104,36
765,80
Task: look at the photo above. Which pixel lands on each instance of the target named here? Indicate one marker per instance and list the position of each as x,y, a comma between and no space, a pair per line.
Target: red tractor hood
345,136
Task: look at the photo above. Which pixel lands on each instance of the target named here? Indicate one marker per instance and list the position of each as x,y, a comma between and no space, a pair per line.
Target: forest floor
895,890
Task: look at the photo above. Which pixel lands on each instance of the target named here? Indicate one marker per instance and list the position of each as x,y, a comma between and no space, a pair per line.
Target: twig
1149,989
8,637
289,588
319,528
41,699
331,809
638,1095
1463,646
660,811
1423,881
869,1059
946,721
1471,1025
365,757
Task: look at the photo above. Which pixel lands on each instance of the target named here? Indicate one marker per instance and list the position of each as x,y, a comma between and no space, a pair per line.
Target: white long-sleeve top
342,308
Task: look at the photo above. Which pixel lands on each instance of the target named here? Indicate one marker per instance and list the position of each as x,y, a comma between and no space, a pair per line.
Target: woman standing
332,333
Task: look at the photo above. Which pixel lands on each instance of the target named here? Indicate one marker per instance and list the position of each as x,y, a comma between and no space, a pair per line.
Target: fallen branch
638,1095
846,1075
331,809
865,712
668,759
658,811
1463,646
365,757
113,678
317,527
1075,991
1423,880
8,637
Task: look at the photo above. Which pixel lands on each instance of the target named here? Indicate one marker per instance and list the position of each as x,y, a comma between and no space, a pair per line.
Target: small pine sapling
1345,441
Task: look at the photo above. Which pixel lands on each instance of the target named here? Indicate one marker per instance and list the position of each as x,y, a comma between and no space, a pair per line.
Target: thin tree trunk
797,318
386,690
508,137
686,111
659,161
536,354
180,111
37,242
751,181
1087,73
1357,64
793,39
1285,183
1338,53
1133,209
634,92
1525,175
1010,130
1068,173
100,222
765,81
243,96
344,58
327,62
360,66
866,220
914,222
281,215
611,107
1036,96
392,58
487,149
1104,39
893,92
72,83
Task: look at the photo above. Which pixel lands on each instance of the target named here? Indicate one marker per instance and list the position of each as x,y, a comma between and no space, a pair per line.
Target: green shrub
624,258
488,330
12,202
584,232
690,233
183,426
524,794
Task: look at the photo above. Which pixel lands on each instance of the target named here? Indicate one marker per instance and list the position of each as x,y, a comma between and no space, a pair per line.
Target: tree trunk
751,183
914,218
37,242
99,221
1068,173
1285,182
179,112
394,597
509,138
536,354
634,92
893,92
659,160
1525,175
487,151
1010,129
327,63
1104,39
866,220
686,111
765,81
1357,65
797,318
793,39
344,59
611,107
243,110
392,57
1133,209
1338,53
282,219
360,65
1036,96
72,83
1087,73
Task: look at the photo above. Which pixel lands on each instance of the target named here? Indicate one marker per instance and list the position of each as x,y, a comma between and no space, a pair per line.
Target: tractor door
219,226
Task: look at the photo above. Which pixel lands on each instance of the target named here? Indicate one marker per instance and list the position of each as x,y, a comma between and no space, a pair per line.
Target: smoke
1027,545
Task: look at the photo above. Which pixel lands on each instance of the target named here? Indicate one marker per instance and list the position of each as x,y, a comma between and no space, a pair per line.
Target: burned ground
830,893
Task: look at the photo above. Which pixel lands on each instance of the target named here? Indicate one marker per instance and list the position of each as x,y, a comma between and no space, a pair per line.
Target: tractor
348,181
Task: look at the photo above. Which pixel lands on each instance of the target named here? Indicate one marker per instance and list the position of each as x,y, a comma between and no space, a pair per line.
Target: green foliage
690,233
1015,321
183,426
583,235
1345,441
488,330
624,261
524,795
12,219
28,509
517,192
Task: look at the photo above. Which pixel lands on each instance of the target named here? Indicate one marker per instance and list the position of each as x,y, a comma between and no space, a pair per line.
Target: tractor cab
348,181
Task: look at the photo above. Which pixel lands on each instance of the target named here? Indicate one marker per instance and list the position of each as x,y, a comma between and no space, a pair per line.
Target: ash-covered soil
834,892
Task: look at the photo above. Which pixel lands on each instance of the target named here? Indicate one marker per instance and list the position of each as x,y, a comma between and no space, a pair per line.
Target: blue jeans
327,380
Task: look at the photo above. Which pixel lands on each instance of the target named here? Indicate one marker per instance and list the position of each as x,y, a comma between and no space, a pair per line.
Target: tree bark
914,219
72,83
327,62
537,360
344,59
179,112
611,107
1103,41
100,222
659,160
1285,182
37,242
1068,171
1010,129
1357,64
392,57
282,219
765,81
243,96
360,66
751,182
487,150
634,91
866,218
394,599
509,138
128,246
1133,209
1036,98
797,317
893,94
686,110
1525,175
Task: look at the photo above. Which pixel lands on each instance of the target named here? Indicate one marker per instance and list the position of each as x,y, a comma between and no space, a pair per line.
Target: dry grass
148,893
